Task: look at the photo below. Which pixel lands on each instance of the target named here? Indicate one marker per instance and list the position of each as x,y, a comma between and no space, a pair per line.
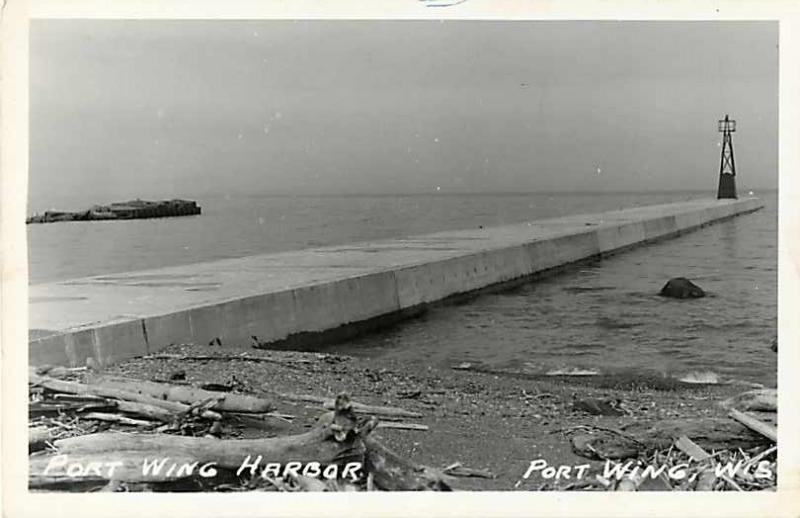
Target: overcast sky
158,109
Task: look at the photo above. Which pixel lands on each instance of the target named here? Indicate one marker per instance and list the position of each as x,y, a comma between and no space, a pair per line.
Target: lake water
604,316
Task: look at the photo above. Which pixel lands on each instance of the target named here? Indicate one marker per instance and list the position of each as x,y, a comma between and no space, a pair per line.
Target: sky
159,109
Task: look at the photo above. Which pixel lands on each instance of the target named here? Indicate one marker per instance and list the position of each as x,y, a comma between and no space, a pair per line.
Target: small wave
572,372
702,377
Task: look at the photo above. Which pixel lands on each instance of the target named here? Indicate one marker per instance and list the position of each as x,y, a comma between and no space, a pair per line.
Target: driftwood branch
116,418
357,407
756,425
403,426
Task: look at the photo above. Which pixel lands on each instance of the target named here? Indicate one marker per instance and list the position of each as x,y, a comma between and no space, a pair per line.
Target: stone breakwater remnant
134,209
682,288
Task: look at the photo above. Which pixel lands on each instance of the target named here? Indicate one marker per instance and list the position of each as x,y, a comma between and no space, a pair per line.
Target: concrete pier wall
276,297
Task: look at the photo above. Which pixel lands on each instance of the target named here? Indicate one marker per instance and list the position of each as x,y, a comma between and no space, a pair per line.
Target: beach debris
641,438
286,360
762,400
457,470
713,433
685,466
597,406
409,394
599,443
774,345
178,375
681,288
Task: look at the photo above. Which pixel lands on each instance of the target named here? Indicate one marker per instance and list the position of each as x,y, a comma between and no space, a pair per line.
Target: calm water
603,316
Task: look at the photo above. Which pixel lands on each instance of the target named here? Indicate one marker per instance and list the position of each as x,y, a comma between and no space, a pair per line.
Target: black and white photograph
277,256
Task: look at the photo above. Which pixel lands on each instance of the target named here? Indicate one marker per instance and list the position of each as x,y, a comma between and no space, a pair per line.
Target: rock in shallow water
682,288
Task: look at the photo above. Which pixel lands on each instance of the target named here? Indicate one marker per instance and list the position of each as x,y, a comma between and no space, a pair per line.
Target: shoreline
483,421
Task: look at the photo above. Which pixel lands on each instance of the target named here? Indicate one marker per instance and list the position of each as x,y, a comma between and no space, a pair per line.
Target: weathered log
390,472
763,400
73,387
357,407
756,425
313,446
186,394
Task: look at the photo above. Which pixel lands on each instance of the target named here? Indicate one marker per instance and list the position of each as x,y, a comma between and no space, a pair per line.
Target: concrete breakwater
302,295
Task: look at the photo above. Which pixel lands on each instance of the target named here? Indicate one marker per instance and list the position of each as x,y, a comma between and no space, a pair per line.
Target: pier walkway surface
307,293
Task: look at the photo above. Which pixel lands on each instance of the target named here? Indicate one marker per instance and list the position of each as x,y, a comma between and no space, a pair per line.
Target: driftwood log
643,438
337,438
72,387
186,394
